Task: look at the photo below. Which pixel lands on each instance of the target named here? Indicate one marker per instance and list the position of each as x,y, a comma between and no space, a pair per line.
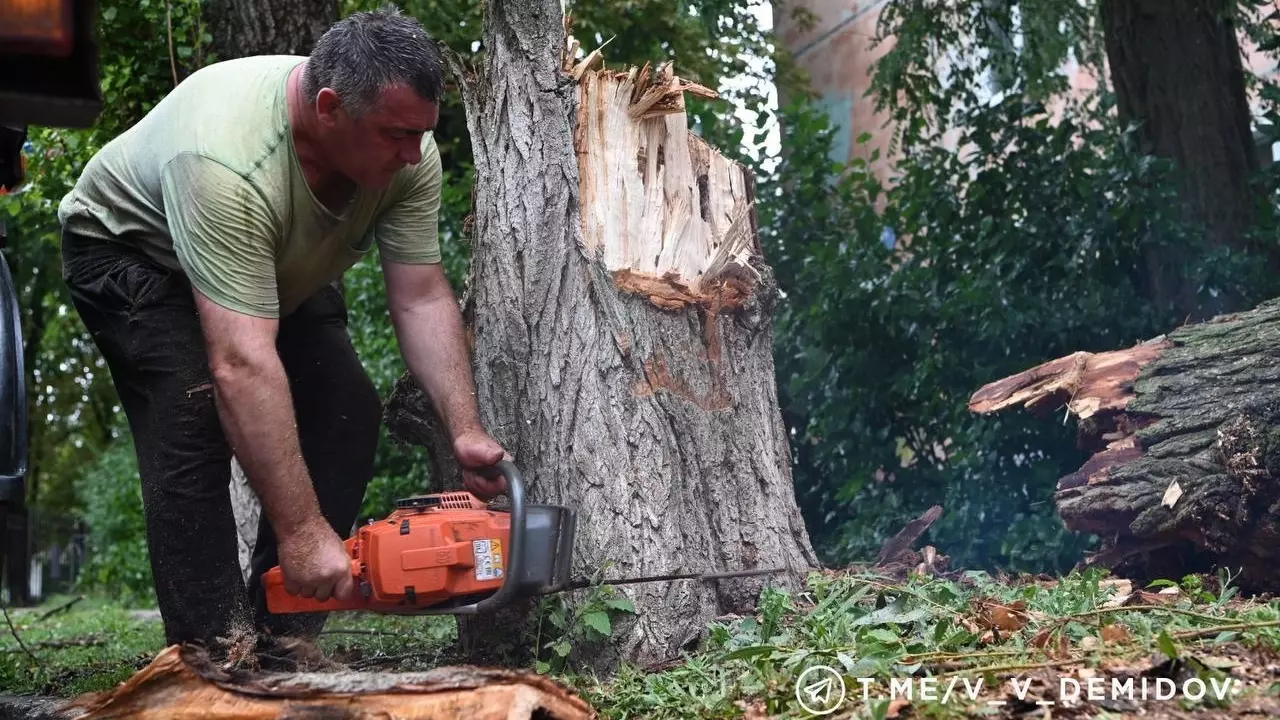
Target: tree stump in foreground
1184,432
621,320
181,683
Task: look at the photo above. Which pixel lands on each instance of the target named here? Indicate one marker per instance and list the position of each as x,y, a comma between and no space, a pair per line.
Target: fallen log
1184,436
182,683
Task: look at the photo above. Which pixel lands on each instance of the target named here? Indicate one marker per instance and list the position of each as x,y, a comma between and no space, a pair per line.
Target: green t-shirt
209,184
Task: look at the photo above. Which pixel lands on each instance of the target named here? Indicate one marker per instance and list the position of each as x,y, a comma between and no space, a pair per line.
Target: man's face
371,149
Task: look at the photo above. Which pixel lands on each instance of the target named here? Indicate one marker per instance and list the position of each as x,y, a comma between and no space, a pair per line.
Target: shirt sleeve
408,231
223,234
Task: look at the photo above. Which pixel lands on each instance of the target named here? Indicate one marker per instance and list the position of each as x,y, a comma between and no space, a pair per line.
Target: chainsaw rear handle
515,542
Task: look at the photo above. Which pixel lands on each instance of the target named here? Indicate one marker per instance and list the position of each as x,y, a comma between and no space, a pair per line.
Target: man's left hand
475,449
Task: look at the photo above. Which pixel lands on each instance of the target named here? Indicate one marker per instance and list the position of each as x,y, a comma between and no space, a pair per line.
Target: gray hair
362,54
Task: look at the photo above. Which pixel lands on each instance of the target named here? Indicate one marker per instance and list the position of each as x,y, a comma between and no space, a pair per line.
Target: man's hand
475,449
315,563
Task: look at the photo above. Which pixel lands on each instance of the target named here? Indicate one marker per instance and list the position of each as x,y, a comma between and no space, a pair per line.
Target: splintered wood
178,685
665,212
1085,383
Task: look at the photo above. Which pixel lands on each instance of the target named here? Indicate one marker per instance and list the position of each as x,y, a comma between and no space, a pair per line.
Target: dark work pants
143,319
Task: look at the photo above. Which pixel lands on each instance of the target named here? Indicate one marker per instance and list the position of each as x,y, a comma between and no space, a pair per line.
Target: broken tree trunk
1184,432
182,683
621,320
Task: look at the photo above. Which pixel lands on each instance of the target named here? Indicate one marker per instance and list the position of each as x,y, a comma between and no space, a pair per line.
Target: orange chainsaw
452,553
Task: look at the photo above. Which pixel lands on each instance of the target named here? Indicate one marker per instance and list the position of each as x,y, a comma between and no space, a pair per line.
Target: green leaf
895,612
1166,644
1225,637
598,621
562,648
749,651
622,604
884,636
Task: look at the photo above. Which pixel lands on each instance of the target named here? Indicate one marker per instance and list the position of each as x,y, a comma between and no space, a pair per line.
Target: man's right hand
315,563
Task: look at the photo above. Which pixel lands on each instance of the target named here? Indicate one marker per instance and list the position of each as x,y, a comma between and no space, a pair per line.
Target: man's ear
328,104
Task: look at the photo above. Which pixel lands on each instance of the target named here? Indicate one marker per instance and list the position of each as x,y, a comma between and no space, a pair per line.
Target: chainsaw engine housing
436,553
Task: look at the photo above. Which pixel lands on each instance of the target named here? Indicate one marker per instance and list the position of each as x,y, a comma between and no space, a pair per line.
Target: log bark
1184,436
621,324
1177,71
181,683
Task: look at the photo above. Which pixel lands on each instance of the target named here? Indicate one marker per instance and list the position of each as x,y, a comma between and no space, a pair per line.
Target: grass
972,633
118,643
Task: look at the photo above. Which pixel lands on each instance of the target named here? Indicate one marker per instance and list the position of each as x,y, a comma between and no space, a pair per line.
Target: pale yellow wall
836,54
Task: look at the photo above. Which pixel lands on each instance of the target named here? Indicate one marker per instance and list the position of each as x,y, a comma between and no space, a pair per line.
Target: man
202,248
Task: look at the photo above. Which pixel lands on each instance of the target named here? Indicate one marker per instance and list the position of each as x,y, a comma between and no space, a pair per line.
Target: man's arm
432,339
429,327
257,412
224,234
256,409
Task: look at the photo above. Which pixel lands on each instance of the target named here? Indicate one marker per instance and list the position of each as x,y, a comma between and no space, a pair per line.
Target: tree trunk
1185,436
621,322
268,27
1176,68
242,28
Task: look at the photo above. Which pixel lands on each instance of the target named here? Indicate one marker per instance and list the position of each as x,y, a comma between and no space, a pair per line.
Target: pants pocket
112,276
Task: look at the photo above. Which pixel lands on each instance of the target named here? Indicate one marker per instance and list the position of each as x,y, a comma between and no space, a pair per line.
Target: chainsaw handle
515,543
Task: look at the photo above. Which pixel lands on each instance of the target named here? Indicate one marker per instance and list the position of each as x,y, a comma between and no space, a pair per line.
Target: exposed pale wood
656,199
1087,383
246,509
181,684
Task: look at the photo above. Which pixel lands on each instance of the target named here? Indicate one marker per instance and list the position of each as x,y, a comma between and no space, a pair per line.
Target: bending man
203,249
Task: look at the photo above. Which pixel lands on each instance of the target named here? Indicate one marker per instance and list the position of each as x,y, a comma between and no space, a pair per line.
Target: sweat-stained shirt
208,184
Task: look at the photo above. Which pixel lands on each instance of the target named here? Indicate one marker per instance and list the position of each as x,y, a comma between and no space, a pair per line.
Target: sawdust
294,655
238,649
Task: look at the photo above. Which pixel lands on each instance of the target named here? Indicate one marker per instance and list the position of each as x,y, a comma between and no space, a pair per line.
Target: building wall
836,52
837,55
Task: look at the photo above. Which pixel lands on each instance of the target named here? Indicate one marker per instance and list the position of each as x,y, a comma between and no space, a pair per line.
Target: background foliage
1026,247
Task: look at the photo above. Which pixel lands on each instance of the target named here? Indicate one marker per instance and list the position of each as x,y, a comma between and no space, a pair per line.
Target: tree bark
621,322
241,28
1185,435
1176,69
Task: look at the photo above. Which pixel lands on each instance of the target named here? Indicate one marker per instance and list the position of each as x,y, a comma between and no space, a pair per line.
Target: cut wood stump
181,683
1184,437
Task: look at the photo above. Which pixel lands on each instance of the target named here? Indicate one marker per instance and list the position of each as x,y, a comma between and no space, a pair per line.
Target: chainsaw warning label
488,559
